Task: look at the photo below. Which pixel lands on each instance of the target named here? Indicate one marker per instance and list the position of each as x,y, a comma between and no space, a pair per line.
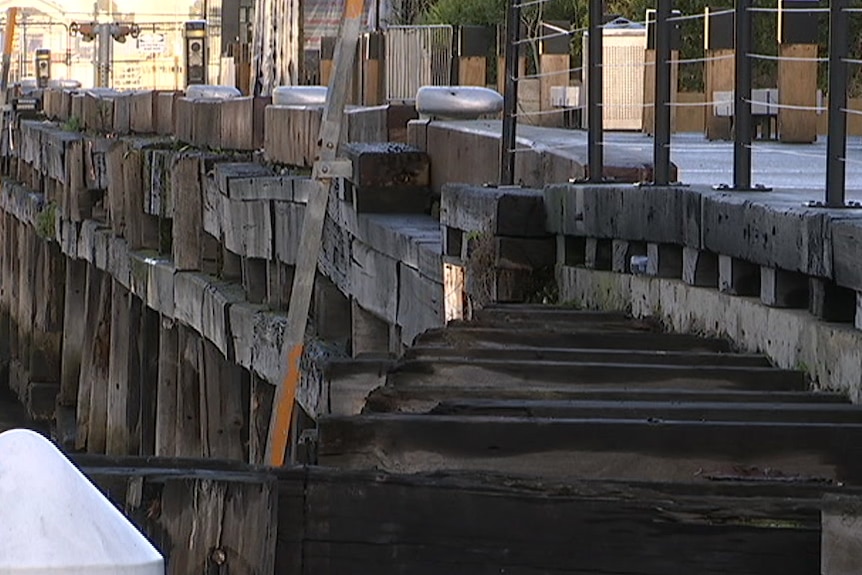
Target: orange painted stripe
11,15
284,410
353,8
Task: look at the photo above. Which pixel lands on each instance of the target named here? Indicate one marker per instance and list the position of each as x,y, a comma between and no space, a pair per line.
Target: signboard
151,43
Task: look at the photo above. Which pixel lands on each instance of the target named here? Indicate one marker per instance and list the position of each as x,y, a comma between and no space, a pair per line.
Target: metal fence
741,105
417,56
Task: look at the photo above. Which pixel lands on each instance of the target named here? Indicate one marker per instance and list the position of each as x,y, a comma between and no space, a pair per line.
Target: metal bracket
729,188
667,185
852,205
338,168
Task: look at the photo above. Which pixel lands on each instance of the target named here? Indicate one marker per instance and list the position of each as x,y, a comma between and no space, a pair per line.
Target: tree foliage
765,71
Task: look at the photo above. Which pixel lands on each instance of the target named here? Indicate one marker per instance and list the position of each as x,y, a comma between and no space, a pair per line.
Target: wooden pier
144,278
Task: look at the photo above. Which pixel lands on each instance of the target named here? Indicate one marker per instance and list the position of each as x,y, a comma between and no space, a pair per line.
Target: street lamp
119,31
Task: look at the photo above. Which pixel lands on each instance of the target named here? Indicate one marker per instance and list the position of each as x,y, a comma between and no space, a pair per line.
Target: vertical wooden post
719,70
501,71
554,63
188,425
797,86
474,46
140,228
80,203
116,190
327,53
93,387
797,71
222,412
11,270
26,280
374,66
188,213
166,394
148,377
74,325
260,410
46,352
649,91
123,373
7,282
312,226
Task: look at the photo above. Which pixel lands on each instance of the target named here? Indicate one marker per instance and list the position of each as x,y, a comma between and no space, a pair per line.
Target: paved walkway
791,167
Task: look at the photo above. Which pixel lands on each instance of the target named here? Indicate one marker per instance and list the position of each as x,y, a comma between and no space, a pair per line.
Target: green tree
764,25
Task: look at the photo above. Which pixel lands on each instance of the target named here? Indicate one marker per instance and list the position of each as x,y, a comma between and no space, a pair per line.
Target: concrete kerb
771,231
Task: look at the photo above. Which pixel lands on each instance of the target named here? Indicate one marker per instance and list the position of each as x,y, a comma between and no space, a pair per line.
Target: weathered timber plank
222,410
409,398
123,404
260,409
614,356
498,211
188,213
500,373
93,390
166,393
116,189
588,337
421,526
649,410
133,199
188,425
624,449
148,361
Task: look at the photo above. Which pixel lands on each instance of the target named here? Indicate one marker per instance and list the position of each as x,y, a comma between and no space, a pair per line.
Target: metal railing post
836,143
742,98
661,142
510,95
595,135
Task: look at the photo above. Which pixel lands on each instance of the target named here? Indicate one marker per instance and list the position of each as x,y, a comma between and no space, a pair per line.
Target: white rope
776,10
786,106
532,39
785,58
697,60
546,74
698,16
531,3
547,112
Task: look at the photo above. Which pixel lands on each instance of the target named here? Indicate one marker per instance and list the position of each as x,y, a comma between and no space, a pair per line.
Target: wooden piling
123,401
260,409
116,189
166,393
222,410
188,425
188,213
93,386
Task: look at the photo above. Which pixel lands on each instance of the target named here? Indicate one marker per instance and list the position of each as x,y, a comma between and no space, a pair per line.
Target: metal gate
417,56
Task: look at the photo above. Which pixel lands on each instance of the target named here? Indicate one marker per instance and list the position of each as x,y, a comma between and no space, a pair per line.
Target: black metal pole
836,142
661,142
510,95
595,135
742,98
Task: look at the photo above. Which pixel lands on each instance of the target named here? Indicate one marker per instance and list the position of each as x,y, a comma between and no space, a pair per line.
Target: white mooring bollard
457,102
53,520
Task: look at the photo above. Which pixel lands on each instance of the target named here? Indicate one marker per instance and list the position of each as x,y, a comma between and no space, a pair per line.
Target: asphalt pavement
792,167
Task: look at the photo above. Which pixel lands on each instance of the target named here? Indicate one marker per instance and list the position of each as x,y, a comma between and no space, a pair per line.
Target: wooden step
528,353
498,374
589,338
656,410
595,448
